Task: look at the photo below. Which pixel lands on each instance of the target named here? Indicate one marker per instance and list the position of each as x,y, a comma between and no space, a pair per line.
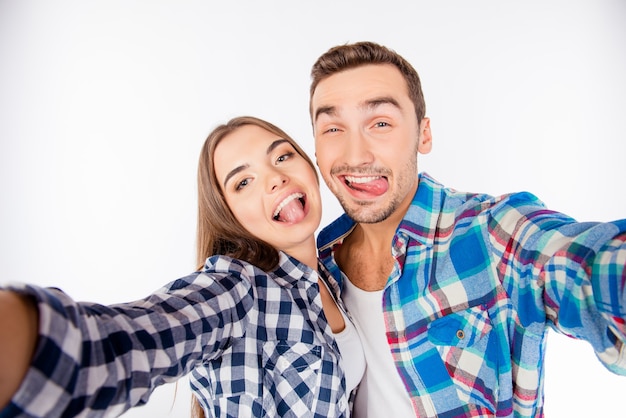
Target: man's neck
365,256
378,236
374,238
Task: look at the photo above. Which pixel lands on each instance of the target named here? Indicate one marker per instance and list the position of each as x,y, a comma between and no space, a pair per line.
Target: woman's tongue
292,212
374,187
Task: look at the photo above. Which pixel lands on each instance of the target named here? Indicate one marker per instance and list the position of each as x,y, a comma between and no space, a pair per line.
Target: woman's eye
381,124
332,130
284,157
243,183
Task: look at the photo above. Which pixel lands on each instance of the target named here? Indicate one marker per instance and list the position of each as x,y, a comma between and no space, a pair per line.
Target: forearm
18,338
94,359
565,273
608,275
584,291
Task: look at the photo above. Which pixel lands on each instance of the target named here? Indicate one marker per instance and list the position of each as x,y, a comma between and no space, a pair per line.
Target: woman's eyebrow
276,143
234,171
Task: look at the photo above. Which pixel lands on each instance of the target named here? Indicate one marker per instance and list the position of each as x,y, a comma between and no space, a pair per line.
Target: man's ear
425,140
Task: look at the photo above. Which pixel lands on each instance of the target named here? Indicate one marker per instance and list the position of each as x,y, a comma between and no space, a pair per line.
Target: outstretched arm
572,274
93,359
18,337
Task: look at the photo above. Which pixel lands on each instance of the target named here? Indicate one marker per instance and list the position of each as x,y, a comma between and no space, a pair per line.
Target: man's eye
381,124
331,130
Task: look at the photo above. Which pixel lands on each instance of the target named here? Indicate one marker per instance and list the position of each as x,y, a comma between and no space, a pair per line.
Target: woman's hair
345,57
219,232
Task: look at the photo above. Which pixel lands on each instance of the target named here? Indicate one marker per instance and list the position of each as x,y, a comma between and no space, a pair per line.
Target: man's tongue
292,212
374,187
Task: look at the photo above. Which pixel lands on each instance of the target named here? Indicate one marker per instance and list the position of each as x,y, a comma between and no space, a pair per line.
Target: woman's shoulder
224,264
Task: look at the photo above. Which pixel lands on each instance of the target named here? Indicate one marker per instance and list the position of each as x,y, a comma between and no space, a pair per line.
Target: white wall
104,106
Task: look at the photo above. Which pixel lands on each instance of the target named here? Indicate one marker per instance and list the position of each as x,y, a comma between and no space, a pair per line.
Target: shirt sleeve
569,273
101,360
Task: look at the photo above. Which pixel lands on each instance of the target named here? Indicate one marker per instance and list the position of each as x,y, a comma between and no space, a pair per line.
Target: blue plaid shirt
476,283
257,344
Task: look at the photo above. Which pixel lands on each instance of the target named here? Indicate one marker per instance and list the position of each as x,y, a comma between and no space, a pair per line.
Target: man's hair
345,57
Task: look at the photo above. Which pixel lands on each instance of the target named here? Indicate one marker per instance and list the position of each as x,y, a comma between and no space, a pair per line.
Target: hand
19,325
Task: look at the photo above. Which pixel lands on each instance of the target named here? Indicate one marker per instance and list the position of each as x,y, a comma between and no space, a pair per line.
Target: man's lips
352,179
366,186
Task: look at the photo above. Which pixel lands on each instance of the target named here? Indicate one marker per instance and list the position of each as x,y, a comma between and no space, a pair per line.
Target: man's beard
359,212
405,182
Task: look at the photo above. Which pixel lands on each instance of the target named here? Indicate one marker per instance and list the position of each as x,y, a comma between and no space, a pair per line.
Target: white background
104,106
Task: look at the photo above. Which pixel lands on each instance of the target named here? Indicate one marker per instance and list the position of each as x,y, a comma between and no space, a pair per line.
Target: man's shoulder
452,197
334,230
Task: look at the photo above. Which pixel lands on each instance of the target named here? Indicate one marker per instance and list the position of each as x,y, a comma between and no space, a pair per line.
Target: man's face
366,141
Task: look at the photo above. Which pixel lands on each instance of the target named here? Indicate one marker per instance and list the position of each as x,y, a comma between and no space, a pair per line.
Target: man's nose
357,150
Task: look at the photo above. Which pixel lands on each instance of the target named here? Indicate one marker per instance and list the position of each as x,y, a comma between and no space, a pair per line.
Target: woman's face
269,187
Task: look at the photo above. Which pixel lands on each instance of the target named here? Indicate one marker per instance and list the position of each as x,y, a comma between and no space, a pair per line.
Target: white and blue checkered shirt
256,343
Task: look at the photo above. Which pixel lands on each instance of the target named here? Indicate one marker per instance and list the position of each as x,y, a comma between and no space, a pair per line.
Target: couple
451,292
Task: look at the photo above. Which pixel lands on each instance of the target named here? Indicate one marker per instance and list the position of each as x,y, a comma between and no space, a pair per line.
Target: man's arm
18,338
570,274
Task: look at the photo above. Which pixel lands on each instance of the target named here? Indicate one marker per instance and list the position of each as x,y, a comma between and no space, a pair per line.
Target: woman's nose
277,181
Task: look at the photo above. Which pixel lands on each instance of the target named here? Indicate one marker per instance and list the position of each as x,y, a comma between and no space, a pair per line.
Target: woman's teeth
285,202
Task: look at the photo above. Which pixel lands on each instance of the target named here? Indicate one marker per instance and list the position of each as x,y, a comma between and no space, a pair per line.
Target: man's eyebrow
325,110
379,101
368,104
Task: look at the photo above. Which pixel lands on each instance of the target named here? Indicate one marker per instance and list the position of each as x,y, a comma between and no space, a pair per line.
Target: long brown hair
219,232
345,57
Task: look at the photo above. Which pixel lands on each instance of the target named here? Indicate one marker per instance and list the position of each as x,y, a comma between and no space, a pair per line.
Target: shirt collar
420,221
290,271
287,274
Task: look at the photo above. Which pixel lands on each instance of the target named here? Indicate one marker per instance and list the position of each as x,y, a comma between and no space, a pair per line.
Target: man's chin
366,214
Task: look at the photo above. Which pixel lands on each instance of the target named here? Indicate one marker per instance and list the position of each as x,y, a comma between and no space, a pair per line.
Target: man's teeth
286,201
351,179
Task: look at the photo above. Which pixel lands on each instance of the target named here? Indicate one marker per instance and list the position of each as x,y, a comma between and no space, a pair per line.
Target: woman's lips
290,209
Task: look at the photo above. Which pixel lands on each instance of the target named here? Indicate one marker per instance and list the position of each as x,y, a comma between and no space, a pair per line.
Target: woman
258,328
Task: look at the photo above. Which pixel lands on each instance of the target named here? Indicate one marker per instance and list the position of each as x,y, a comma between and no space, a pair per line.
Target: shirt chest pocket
291,377
469,352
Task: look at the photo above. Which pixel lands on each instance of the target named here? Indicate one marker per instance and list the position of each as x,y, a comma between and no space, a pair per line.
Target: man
453,292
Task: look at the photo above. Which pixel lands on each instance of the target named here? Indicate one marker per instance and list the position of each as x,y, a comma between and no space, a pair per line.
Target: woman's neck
305,252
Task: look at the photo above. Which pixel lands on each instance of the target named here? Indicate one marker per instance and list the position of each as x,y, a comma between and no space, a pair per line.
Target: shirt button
460,334
342,403
282,363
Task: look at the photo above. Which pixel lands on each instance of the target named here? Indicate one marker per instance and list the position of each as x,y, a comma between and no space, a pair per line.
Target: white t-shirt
351,349
382,393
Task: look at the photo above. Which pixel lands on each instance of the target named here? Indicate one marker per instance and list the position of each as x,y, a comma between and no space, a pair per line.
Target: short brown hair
344,57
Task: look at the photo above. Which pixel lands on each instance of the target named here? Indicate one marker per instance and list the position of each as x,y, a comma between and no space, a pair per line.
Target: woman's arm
92,359
18,337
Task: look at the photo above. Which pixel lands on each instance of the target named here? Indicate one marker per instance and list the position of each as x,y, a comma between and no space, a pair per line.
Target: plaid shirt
476,282
257,343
